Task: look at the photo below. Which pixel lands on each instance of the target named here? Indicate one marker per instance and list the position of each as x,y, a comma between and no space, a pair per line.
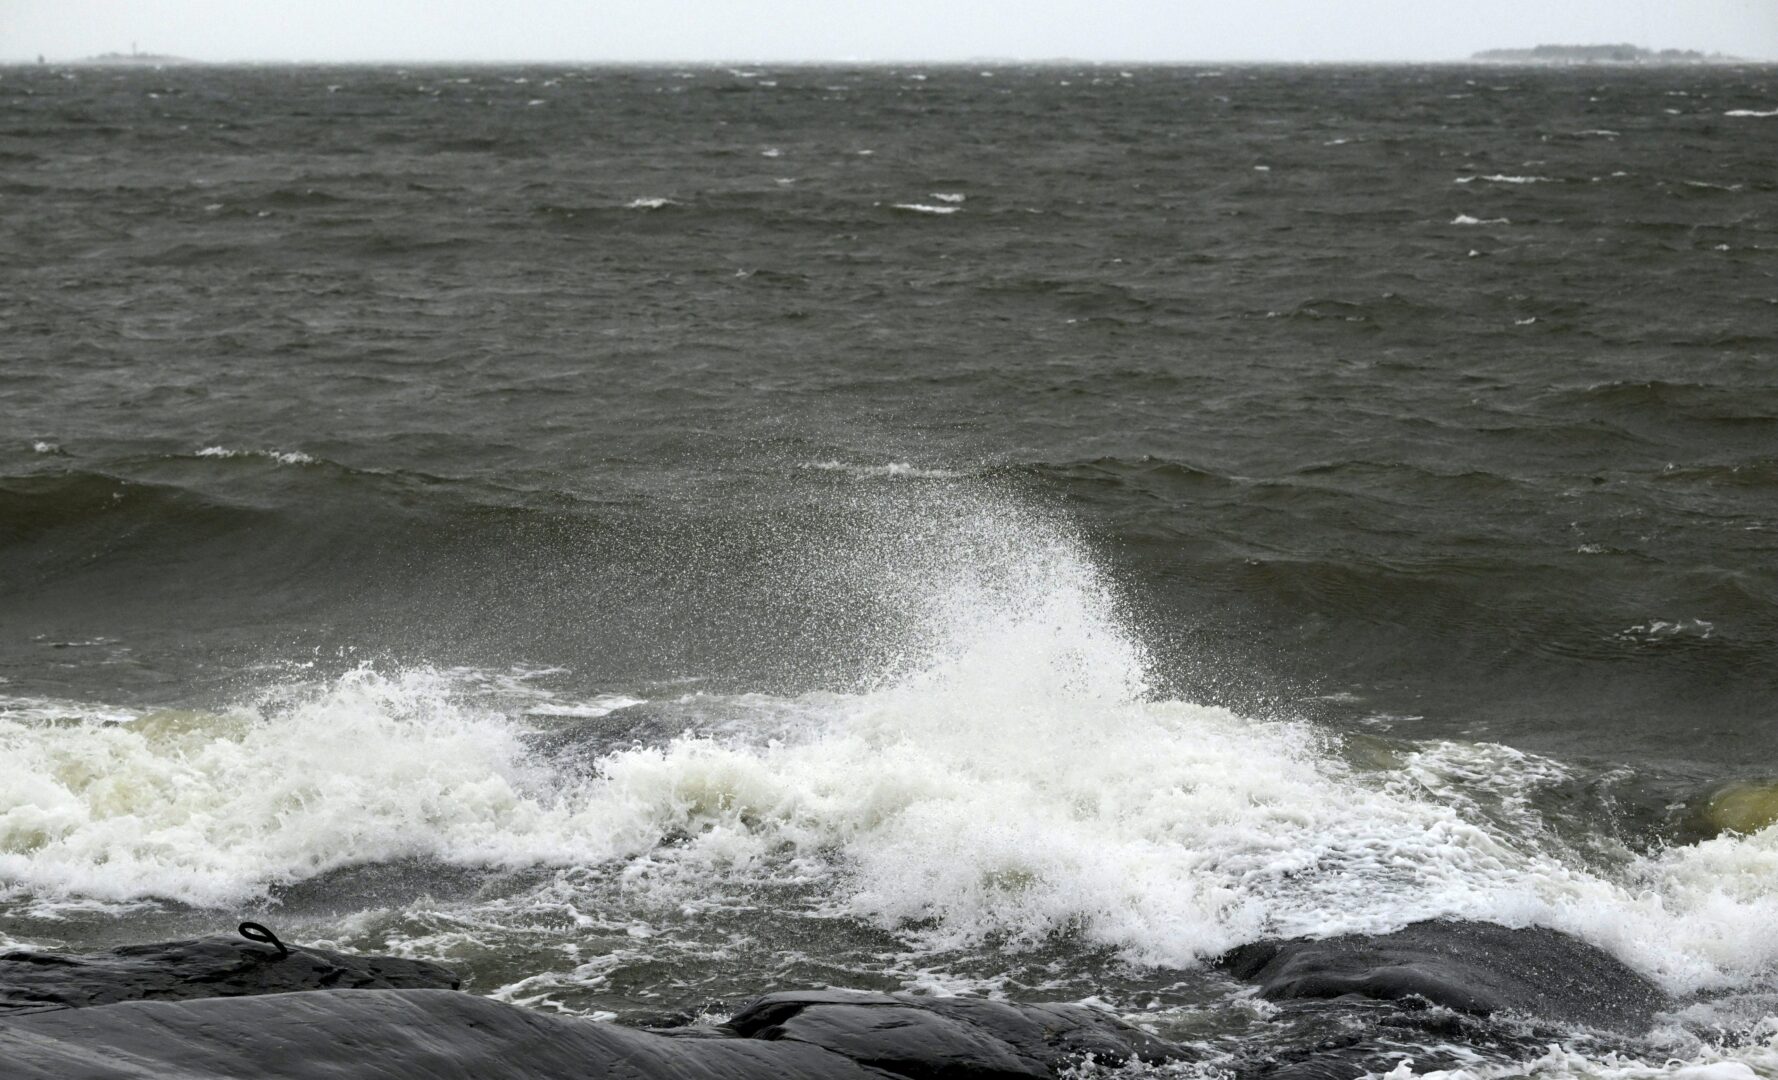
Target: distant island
1600,54
136,57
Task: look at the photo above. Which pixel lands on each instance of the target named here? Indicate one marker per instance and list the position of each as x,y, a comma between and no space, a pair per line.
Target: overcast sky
855,30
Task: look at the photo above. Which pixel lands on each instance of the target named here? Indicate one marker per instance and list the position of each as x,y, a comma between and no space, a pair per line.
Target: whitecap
923,208
599,706
282,457
1751,112
1655,630
649,202
948,197
1502,178
893,470
1012,775
1465,219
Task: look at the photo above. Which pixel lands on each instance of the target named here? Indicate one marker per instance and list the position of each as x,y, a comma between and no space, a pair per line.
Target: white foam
646,202
948,197
893,470
213,808
923,208
1699,1062
1010,776
282,457
42,446
1502,178
1465,219
1661,629
1751,112
600,706
54,710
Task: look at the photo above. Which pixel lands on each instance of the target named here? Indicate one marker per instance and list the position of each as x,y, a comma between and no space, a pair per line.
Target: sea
649,536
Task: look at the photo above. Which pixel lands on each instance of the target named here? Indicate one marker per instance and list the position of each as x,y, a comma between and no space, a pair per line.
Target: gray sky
878,30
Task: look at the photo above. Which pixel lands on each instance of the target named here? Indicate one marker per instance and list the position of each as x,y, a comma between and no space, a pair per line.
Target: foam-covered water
1009,777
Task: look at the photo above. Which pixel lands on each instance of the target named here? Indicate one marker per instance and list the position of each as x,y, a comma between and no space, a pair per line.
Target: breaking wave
1010,775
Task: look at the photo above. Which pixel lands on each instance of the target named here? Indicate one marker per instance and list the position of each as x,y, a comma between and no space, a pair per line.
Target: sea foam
1502,178
282,457
1010,775
899,470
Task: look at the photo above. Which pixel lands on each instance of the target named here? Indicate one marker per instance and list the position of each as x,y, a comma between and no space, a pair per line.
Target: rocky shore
220,1007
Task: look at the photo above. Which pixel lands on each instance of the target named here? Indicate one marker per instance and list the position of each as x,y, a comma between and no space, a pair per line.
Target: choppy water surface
651,536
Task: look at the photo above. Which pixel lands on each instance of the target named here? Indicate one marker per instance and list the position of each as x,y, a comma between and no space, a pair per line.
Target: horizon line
170,60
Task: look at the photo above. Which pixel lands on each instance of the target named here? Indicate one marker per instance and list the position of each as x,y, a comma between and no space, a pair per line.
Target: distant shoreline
135,59
1602,54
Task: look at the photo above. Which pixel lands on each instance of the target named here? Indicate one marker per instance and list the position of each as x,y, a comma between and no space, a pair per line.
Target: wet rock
1742,808
380,1035
932,1038
1472,967
224,1008
32,981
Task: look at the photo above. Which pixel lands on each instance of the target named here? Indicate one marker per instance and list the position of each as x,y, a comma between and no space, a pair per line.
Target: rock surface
206,968
380,1035
1472,967
928,1038
215,1008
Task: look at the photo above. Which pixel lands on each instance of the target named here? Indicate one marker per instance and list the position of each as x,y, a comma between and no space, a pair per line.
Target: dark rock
380,1035
441,1035
135,1014
206,968
1472,967
929,1038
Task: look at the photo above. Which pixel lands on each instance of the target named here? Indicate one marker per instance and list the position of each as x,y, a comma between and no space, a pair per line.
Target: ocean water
647,537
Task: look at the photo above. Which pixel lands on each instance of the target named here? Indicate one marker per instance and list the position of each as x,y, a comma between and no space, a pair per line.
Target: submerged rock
221,1008
1744,807
32,981
1472,967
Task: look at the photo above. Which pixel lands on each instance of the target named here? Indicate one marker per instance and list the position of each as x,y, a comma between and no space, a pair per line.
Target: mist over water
581,525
